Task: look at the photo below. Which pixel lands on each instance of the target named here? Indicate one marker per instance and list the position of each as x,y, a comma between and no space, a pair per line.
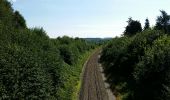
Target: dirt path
93,86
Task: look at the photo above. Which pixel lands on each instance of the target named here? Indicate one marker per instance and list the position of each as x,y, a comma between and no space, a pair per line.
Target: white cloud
12,0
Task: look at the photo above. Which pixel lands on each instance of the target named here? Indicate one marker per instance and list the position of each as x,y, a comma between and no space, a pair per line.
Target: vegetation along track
93,86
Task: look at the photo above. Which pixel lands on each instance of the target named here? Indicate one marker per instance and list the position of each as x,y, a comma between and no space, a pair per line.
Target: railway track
93,86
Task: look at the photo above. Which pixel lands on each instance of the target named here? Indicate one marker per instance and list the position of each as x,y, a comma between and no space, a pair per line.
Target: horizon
87,19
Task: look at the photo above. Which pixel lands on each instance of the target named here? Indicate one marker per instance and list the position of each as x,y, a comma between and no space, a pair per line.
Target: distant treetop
147,24
133,27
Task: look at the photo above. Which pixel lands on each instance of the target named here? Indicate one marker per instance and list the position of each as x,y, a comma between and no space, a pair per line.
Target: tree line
34,66
137,64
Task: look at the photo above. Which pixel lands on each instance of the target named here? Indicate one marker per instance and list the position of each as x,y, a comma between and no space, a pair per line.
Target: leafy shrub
152,72
123,56
33,66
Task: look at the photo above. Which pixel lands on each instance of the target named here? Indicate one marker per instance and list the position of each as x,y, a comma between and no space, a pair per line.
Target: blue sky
88,18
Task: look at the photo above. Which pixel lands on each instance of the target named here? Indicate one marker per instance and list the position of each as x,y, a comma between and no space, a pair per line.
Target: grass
72,78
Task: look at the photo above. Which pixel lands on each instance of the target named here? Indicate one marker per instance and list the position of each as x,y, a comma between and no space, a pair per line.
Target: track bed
93,86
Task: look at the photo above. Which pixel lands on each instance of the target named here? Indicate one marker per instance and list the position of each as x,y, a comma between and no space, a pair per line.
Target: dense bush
152,72
138,67
112,57
33,66
125,60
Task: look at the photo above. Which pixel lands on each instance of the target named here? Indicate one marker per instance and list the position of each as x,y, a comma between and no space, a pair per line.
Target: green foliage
111,53
137,67
147,25
19,21
123,59
70,48
133,27
152,72
6,12
151,83
68,54
33,66
162,22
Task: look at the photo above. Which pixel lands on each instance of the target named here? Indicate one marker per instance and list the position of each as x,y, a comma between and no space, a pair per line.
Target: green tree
6,13
32,65
147,25
152,72
133,27
162,21
120,57
19,21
